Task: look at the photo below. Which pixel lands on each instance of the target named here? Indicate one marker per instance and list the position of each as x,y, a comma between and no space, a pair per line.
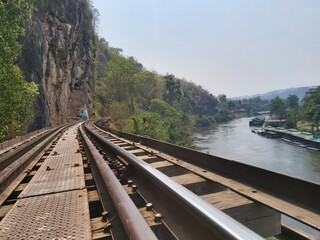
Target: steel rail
133,222
18,163
302,193
6,146
221,225
10,157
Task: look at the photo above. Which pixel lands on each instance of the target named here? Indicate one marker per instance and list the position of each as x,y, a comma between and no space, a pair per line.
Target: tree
278,107
173,90
196,100
148,124
120,81
223,114
292,103
163,122
311,107
16,96
150,86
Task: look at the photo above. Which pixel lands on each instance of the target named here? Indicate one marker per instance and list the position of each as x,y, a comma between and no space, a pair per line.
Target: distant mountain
283,93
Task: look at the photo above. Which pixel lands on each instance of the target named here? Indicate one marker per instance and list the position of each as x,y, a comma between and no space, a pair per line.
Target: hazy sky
235,47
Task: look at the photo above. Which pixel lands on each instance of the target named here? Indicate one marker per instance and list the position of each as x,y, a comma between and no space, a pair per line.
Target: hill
282,93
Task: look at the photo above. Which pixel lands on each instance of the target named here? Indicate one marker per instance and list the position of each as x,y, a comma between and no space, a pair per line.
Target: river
235,141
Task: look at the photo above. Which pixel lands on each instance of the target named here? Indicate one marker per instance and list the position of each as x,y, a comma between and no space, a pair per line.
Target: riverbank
303,139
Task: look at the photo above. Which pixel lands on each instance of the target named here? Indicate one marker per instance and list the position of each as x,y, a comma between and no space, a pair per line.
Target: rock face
57,54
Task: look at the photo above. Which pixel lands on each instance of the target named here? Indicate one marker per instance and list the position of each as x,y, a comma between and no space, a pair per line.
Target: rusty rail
221,225
301,192
14,163
21,139
135,225
8,158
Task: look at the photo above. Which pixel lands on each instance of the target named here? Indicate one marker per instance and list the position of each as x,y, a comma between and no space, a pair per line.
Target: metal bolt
105,216
134,188
158,217
55,153
149,206
78,150
76,165
48,168
123,170
107,227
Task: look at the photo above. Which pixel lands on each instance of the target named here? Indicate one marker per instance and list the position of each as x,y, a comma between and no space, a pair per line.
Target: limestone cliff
57,54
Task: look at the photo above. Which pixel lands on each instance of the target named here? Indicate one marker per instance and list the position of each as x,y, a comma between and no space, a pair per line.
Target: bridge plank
187,179
160,164
255,216
303,215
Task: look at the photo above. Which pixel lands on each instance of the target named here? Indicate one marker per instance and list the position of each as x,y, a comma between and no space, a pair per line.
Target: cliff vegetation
144,102
16,95
47,51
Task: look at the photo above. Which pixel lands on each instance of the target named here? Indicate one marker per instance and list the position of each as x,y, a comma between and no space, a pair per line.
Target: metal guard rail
223,226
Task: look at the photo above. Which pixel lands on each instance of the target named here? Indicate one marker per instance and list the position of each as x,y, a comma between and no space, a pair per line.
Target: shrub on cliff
16,95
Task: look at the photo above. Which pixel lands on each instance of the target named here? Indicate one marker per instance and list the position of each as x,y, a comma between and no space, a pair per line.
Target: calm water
235,141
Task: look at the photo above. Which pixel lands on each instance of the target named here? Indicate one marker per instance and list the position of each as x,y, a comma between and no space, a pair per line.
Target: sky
232,47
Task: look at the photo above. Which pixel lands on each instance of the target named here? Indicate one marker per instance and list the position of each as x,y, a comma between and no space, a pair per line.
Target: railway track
137,188
15,160
254,206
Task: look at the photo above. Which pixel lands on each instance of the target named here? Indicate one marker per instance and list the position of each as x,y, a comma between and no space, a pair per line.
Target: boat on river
265,133
291,136
257,121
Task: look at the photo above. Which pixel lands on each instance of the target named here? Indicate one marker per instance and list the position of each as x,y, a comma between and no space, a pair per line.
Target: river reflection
235,141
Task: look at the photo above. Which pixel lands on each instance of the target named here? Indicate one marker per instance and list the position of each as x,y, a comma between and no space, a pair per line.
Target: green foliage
292,102
204,121
150,86
143,102
119,113
11,15
278,107
148,124
16,96
120,79
173,92
162,122
249,107
196,100
311,108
